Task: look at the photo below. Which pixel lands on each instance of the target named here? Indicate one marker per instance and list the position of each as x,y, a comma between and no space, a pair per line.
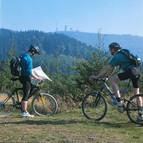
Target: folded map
40,73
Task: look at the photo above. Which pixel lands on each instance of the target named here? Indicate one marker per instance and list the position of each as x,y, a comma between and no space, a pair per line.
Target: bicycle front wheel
134,107
6,104
44,104
94,106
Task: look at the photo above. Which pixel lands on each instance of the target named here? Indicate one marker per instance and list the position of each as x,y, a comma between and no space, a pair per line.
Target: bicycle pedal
113,103
18,103
18,106
121,109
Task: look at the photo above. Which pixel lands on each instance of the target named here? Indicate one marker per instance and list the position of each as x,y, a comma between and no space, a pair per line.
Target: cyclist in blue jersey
25,78
129,72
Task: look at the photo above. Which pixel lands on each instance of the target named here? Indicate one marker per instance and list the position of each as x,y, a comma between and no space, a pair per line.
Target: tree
89,66
12,52
5,75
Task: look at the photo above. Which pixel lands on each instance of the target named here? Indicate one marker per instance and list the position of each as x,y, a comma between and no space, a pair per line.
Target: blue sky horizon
112,16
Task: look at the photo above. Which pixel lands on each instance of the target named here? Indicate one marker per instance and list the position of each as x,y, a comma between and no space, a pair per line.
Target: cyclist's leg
113,81
121,76
136,90
26,92
139,101
26,89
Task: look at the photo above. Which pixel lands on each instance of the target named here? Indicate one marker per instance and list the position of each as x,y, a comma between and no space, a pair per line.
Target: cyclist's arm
111,72
104,70
35,77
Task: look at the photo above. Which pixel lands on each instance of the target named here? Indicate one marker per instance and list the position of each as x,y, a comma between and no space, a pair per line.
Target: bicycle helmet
115,46
34,49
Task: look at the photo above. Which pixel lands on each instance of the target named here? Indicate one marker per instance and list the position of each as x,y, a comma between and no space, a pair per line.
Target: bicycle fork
96,100
42,99
43,102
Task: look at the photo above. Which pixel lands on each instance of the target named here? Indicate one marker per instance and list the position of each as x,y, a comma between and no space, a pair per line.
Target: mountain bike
94,105
43,104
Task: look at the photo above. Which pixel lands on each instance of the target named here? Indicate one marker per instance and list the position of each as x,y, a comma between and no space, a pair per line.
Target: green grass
70,127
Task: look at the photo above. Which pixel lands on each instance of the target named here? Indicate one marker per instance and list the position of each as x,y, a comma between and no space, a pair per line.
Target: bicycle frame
13,93
34,89
43,104
108,90
105,87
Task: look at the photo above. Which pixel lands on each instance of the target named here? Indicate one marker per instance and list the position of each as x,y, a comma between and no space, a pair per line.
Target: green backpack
134,60
15,66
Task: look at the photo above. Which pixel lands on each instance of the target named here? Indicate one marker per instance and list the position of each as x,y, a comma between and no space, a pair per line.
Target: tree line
69,72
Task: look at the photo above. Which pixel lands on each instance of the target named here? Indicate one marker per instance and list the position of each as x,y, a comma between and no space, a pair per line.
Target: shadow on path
71,121
45,122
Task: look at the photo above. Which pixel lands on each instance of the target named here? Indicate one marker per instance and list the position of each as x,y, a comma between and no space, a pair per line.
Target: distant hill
52,45
133,43
63,46
57,51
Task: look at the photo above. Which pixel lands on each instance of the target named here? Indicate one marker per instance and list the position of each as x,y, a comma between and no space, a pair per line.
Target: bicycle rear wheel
94,106
6,104
133,107
44,104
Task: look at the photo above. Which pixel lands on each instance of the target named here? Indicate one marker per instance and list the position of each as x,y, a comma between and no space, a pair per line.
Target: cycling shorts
130,74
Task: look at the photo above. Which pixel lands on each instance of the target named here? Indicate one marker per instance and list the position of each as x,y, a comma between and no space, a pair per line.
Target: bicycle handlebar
41,81
101,79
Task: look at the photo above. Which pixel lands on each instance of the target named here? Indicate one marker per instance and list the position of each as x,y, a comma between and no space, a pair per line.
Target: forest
67,61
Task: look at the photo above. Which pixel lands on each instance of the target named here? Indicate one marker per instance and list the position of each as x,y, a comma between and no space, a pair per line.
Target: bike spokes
94,106
6,104
135,109
44,104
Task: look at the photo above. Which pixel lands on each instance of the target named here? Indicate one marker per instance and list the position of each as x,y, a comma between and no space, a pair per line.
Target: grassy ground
70,126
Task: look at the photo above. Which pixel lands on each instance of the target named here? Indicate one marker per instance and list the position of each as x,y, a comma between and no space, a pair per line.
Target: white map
39,72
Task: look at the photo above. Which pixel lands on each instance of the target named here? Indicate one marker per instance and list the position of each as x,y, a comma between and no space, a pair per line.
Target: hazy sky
113,16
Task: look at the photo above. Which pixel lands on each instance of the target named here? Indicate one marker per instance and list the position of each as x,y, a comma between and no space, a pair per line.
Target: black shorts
26,82
128,74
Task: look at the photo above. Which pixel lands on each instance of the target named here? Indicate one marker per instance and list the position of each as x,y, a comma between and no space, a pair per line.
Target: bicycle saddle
14,79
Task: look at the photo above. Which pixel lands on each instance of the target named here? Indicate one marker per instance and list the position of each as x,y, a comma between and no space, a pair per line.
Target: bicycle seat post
14,84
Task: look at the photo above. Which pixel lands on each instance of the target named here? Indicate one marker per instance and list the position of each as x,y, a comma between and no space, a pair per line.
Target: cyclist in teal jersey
123,62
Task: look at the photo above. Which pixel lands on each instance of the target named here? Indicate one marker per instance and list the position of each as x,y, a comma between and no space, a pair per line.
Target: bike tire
50,107
7,108
133,109
94,106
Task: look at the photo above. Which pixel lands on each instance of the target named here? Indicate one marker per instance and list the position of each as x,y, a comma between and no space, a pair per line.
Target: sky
112,16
